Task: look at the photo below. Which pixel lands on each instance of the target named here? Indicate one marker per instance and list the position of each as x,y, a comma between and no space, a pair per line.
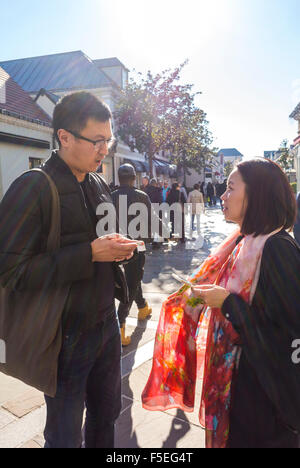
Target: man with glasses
89,363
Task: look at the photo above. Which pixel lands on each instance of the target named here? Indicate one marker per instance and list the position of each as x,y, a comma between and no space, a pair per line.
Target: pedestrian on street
220,189
297,224
247,295
196,199
89,362
134,270
176,197
155,193
145,183
183,190
166,191
210,193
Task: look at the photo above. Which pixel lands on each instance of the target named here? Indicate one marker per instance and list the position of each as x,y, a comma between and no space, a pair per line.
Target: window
35,162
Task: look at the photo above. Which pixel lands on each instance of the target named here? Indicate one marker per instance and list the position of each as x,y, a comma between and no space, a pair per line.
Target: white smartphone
180,279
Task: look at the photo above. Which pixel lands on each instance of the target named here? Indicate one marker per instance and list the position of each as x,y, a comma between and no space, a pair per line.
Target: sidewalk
22,409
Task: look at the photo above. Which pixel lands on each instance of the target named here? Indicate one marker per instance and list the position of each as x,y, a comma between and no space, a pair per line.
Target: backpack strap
53,242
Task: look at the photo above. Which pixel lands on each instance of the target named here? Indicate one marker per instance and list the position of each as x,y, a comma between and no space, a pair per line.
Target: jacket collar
55,164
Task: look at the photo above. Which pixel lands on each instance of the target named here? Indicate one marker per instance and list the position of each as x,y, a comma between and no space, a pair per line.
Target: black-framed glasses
98,144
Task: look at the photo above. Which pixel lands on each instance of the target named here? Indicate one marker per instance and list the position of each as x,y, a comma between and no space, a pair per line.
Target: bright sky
243,54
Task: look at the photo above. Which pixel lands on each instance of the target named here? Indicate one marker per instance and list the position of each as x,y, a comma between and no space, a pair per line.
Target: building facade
47,78
229,158
25,132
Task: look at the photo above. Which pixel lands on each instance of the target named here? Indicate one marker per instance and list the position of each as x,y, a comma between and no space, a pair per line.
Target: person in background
166,190
178,197
183,190
220,189
154,192
210,193
297,224
196,199
215,195
134,271
145,183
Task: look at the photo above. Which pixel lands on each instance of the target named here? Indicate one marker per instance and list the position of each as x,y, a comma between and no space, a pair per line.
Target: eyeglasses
98,144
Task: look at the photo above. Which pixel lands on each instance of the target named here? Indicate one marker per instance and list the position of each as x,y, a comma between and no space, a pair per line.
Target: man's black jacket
133,195
25,224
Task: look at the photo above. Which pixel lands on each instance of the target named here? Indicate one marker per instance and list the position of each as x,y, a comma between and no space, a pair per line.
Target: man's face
82,155
145,181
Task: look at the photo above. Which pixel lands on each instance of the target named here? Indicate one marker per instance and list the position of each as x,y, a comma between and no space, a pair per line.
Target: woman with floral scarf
237,323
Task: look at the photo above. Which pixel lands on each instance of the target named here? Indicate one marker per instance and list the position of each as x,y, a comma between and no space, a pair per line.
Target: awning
138,165
165,168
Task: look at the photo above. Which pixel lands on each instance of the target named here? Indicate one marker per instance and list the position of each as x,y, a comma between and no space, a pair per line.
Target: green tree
157,113
285,160
228,168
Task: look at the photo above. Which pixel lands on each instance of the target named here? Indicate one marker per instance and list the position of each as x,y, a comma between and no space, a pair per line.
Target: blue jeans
89,374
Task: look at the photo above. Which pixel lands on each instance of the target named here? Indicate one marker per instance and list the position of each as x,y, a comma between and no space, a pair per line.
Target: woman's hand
212,295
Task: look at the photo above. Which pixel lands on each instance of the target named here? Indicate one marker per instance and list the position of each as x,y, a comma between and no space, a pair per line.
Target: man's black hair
74,110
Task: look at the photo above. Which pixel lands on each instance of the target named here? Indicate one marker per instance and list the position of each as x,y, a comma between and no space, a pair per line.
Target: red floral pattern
193,339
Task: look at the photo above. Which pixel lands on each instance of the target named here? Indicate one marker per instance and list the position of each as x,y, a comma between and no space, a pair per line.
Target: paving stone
31,444
137,428
39,439
26,403
11,389
22,430
139,337
5,418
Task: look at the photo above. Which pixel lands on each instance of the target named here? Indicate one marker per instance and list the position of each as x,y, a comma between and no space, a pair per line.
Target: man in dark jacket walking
134,270
89,362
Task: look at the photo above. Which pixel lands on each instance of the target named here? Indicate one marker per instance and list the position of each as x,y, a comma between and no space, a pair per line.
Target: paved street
22,409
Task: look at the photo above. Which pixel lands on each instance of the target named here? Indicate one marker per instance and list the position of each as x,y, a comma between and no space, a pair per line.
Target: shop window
35,162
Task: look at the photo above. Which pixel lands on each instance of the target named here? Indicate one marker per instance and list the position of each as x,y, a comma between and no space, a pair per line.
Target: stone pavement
22,409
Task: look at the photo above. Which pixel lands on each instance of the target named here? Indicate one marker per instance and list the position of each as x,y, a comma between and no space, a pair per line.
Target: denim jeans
89,375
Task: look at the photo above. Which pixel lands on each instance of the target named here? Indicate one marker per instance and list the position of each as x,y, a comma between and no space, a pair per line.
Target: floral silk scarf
192,338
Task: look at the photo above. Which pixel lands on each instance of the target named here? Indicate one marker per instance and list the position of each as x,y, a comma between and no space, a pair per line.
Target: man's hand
112,248
212,295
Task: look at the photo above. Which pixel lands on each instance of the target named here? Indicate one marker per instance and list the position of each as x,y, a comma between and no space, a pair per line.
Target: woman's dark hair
271,201
74,110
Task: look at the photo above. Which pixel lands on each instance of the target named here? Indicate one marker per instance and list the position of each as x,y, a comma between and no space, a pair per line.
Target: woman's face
235,198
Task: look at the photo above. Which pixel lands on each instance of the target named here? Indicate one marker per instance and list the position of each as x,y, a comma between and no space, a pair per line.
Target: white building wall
47,105
14,158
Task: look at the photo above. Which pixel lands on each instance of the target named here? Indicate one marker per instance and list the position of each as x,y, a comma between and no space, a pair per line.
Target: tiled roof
58,72
230,152
16,102
296,113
